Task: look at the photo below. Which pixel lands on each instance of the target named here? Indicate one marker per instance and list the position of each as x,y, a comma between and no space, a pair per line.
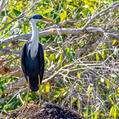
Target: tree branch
9,51
103,12
57,31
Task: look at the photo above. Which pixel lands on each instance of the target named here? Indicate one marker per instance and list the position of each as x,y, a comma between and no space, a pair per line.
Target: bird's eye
40,17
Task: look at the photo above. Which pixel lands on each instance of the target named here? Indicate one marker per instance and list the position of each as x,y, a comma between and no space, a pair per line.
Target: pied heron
32,56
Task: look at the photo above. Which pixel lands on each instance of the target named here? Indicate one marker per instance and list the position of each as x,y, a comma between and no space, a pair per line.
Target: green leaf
21,43
69,0
47,87
74,100
48,10
72,7
60,59
63,16
68,51
80,88
90,88
78,104
96,115
108,84
118,89
97,57
78,75
1,89
113,112
45,55
114,42
16,12
103,54
110,99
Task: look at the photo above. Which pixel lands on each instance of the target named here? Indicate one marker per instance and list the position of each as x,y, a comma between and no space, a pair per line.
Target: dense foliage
82,69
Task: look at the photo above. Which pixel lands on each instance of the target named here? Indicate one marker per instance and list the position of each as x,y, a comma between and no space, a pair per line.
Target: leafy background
83,68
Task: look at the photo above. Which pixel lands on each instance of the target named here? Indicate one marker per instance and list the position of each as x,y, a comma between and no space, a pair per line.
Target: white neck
33,47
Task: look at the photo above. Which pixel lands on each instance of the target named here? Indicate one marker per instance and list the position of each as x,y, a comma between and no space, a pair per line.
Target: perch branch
56,31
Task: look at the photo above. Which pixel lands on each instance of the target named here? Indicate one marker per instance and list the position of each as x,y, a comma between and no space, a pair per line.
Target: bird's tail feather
34,84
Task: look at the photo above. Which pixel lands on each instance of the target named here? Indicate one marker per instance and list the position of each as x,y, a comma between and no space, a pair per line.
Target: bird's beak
48,20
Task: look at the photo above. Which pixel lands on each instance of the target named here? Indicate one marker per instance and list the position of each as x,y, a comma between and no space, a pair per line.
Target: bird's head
38,17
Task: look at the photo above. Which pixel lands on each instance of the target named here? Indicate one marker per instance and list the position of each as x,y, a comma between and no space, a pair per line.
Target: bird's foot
32,104
24,108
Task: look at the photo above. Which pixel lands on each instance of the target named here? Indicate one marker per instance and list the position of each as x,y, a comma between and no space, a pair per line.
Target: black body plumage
32,67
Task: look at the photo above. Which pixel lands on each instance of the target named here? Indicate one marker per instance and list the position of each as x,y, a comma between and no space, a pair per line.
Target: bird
32,56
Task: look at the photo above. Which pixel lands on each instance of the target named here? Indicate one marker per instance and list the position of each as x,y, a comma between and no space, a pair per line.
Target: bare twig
103,12
9,51
18,17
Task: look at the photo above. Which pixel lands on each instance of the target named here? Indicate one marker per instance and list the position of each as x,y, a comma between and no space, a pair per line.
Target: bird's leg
26,102
39,89
27,91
